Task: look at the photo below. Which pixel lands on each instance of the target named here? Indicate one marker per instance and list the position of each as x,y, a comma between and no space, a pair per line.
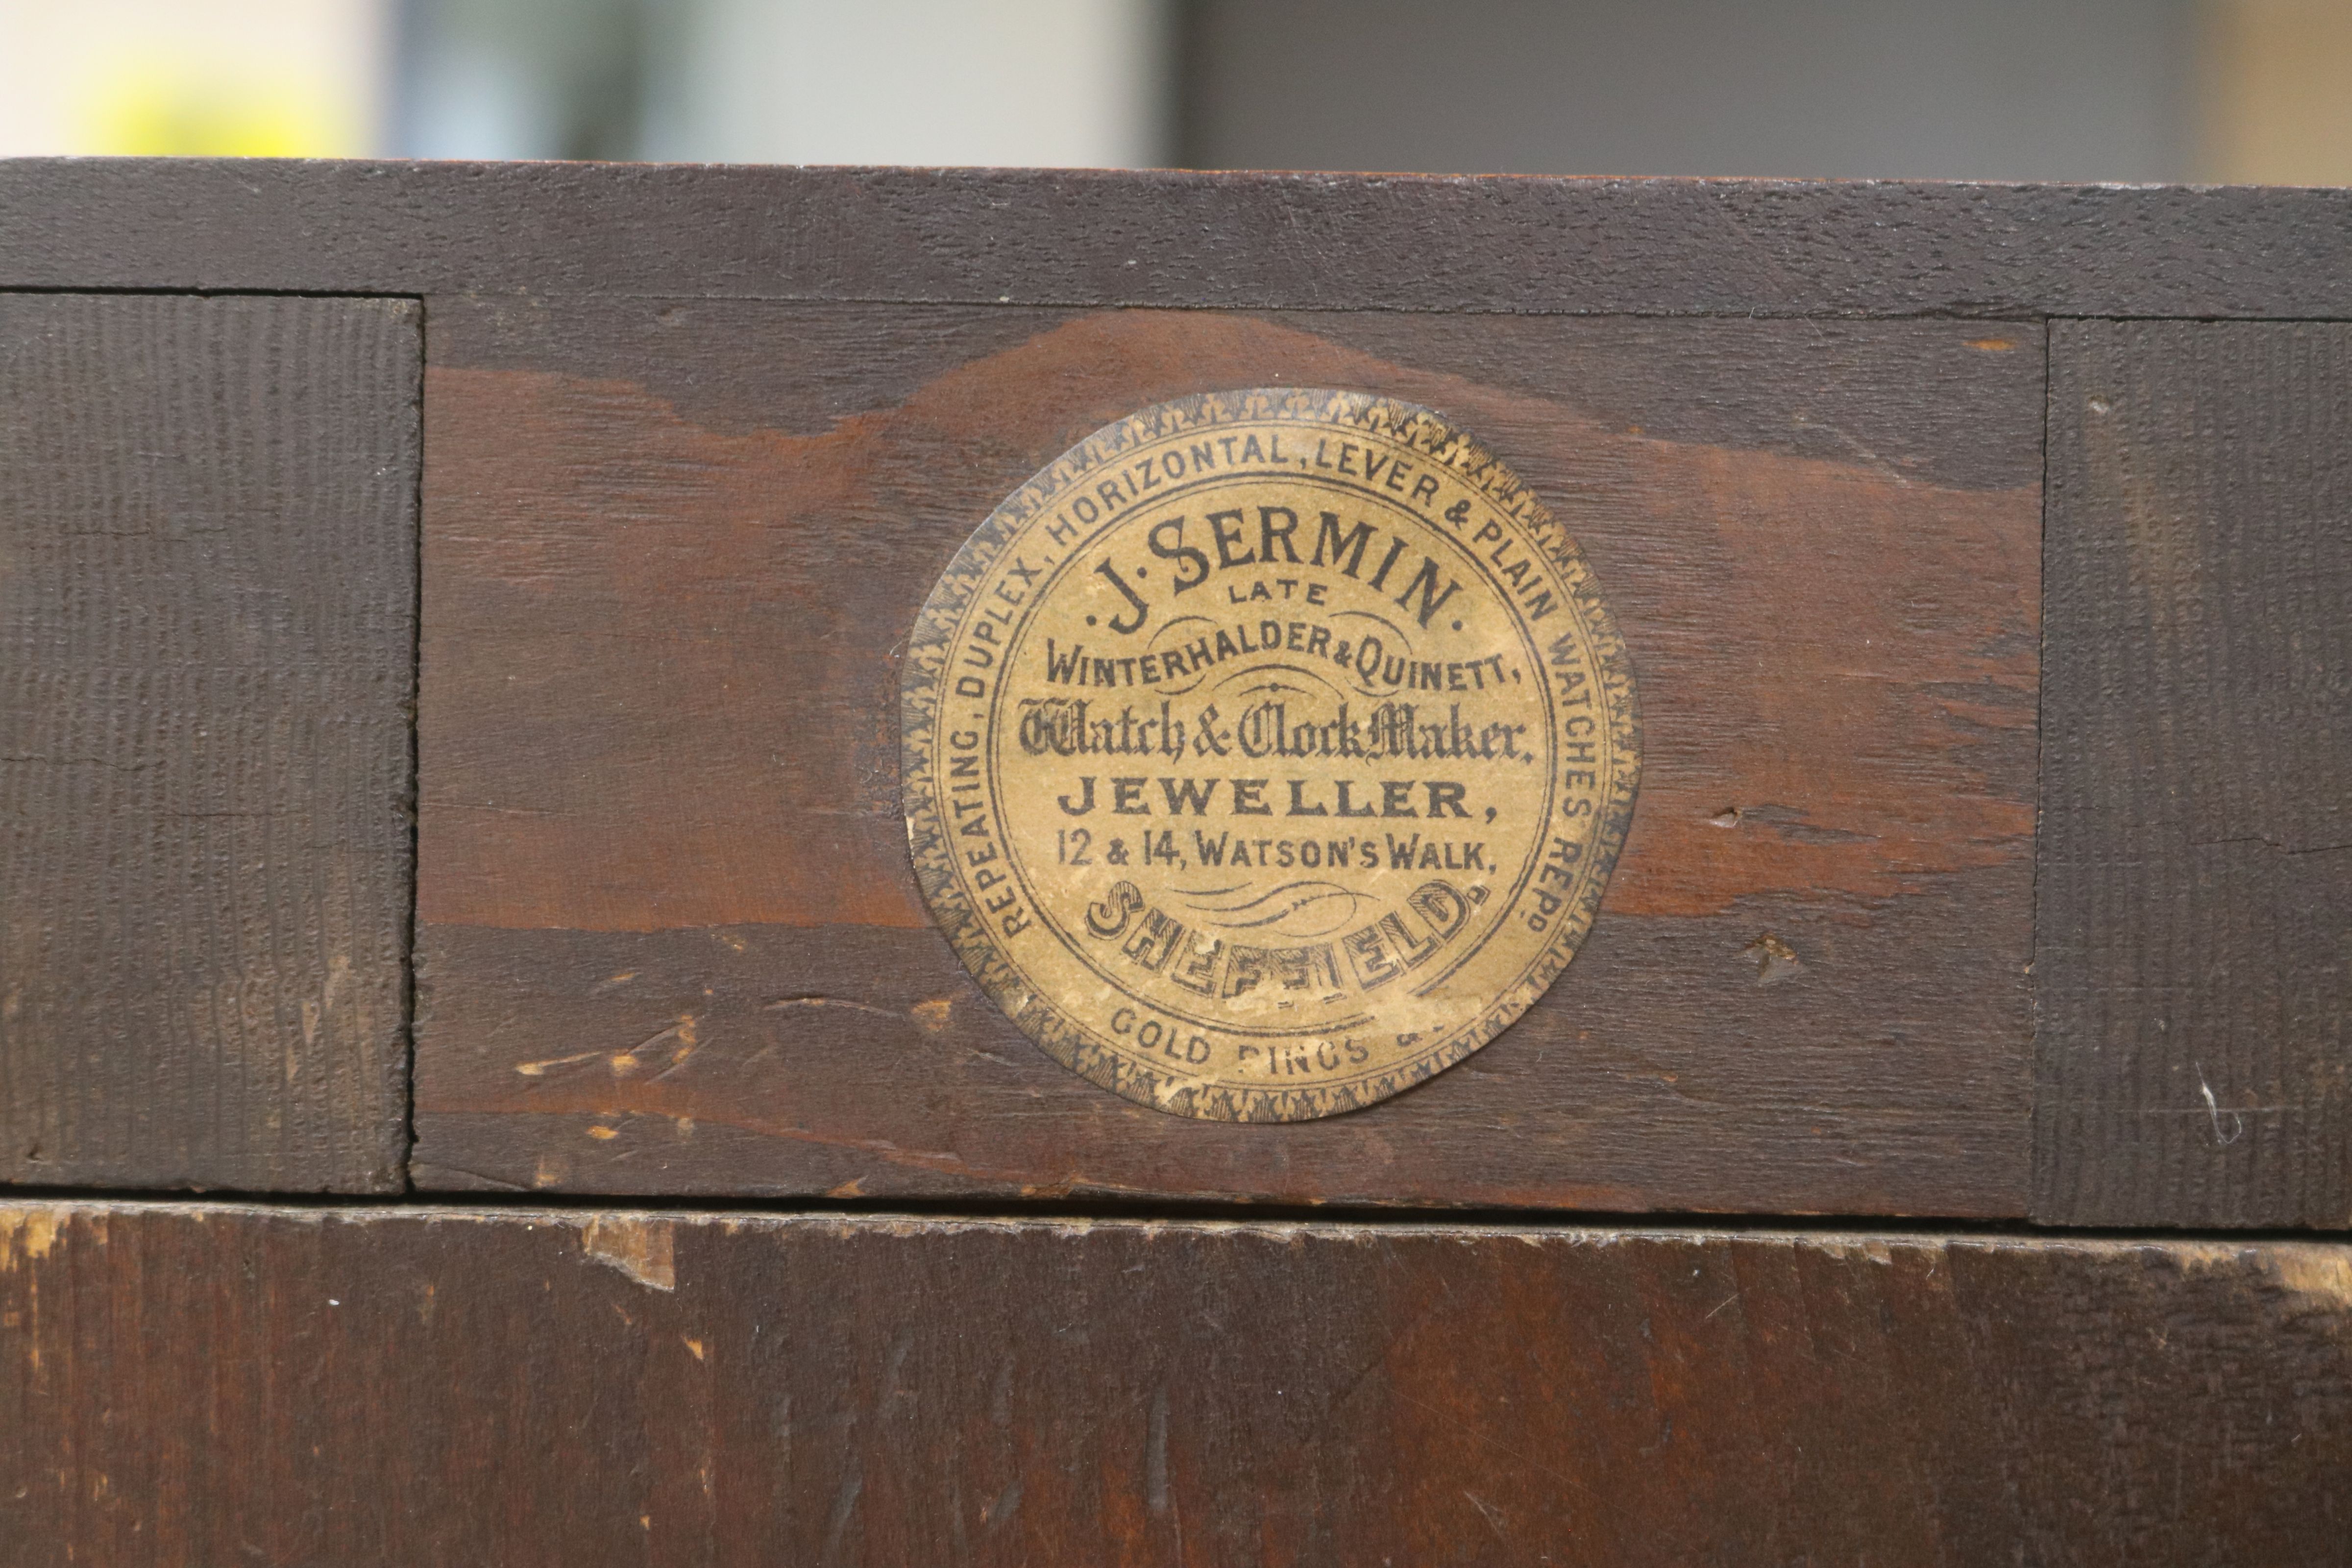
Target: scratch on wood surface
644,1249
837,1002
2237,1127
628,1061
541,1068
844,1505
1155,1453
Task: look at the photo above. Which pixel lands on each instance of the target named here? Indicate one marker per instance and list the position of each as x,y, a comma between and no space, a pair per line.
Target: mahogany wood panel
1250,241
208,611
2194,947
669,940
218,1383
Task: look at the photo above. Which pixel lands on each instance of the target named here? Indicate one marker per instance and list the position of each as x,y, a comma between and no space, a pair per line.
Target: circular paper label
1267,752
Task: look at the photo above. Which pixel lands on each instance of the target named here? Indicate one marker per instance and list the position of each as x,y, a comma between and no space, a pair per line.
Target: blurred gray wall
801,81
2029,89
2048,90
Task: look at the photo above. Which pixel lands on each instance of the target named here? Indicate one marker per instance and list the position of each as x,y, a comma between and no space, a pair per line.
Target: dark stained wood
1243,241
218,1383
669,940
2194,946
207,597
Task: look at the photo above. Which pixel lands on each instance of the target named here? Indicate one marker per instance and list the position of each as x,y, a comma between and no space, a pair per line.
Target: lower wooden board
226,1383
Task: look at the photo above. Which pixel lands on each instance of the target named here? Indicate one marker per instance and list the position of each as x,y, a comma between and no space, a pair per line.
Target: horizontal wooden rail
1094,239
215,1383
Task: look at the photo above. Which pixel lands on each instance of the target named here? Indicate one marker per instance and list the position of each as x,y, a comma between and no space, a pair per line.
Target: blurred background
2255,90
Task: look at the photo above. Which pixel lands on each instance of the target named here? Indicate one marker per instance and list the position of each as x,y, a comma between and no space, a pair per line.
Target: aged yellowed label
1267,752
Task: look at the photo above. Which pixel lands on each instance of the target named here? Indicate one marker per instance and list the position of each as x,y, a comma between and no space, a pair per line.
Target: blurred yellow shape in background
158,108
262,78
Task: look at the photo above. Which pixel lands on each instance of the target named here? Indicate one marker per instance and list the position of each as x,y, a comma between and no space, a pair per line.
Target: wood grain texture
218,1383
669,940
2194,947
1243,241
207,595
